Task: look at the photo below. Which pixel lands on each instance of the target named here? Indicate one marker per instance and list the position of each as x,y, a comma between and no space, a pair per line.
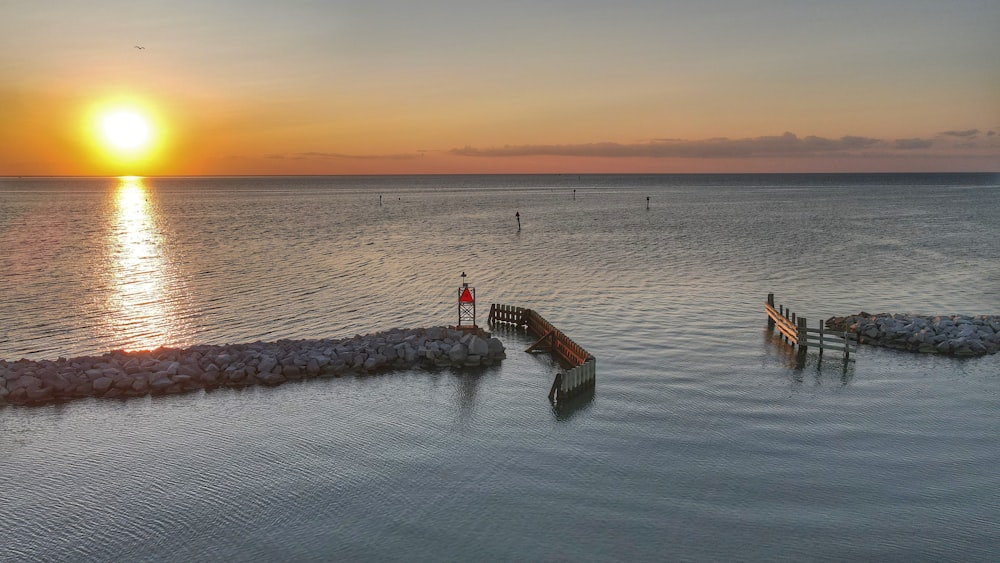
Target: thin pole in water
517,215
647,202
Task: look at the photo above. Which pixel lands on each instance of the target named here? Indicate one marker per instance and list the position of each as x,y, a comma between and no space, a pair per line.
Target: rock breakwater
955,335
178,370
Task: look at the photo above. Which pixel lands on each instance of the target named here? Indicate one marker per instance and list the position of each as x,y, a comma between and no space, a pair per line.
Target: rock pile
177,370
956,335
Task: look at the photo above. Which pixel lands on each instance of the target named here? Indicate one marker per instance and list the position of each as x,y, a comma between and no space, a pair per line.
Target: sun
125,130
126,136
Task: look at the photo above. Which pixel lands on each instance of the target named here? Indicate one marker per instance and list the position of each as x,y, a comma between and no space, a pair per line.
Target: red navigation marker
466,304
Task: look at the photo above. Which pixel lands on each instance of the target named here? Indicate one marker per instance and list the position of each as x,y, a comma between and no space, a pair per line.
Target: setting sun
125,129
126,136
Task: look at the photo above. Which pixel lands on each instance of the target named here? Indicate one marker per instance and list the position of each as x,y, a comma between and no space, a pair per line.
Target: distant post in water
466,304
647,202
517,215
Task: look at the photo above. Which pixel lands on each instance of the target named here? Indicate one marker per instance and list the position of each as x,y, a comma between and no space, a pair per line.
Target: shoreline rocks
954,335
178,370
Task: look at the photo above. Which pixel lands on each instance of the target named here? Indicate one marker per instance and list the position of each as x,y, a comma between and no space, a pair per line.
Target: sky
464,86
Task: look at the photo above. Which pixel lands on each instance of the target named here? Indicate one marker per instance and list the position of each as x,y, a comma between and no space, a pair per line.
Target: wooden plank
543,343
830,337
772,312
785,325
828,342
790,334
827,333
834,348
812,341
778,318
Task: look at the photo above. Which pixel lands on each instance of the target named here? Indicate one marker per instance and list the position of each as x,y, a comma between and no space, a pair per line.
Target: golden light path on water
141,311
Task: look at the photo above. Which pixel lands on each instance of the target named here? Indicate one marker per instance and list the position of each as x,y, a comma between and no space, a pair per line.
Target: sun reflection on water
142,315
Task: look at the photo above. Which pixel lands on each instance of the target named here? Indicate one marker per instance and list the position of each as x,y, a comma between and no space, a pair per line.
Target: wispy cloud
335,155
965,134
908,144
786,145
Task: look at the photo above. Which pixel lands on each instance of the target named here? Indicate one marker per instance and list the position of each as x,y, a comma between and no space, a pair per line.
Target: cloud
966,133
907,144
335,155
786,145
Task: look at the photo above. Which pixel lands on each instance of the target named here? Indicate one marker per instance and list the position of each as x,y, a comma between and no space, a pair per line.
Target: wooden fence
579,367
796,332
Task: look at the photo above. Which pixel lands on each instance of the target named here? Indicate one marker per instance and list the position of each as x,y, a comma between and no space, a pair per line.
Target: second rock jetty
178,370
953,335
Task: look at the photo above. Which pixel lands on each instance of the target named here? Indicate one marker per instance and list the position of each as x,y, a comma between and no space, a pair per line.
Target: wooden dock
579,366
796,333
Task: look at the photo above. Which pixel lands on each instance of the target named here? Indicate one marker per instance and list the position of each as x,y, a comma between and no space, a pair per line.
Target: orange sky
563,86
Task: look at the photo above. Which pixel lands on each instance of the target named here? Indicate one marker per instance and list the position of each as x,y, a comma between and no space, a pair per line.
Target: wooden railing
580,367
796,332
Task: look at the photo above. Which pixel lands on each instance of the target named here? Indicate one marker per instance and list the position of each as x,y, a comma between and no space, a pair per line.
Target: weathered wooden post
770,321
821,338
556,384
466,304
800,335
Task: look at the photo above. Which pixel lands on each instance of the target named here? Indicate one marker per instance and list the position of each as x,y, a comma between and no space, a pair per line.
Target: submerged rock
177,370
955,335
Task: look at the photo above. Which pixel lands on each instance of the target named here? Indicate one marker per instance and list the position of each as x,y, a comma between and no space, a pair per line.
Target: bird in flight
139,47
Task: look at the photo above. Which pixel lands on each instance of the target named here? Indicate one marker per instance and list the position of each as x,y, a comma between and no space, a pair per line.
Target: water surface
702,441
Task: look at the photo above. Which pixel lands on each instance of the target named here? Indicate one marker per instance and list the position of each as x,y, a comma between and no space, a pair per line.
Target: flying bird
139,47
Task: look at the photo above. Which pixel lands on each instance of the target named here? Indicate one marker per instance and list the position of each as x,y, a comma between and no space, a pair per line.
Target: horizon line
841,173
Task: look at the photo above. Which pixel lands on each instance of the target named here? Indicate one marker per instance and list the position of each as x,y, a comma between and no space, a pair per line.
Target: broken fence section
797,334
580,367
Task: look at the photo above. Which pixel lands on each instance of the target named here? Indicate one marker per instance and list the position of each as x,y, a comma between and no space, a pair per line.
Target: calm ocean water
702,440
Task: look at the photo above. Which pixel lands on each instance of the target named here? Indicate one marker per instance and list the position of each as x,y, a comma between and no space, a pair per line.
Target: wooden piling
821,326
556,383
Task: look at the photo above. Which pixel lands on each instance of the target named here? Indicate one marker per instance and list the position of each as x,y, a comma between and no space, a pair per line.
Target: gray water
703,439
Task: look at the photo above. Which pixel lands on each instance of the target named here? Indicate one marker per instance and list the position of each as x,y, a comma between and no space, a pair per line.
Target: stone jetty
178,370
955,335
